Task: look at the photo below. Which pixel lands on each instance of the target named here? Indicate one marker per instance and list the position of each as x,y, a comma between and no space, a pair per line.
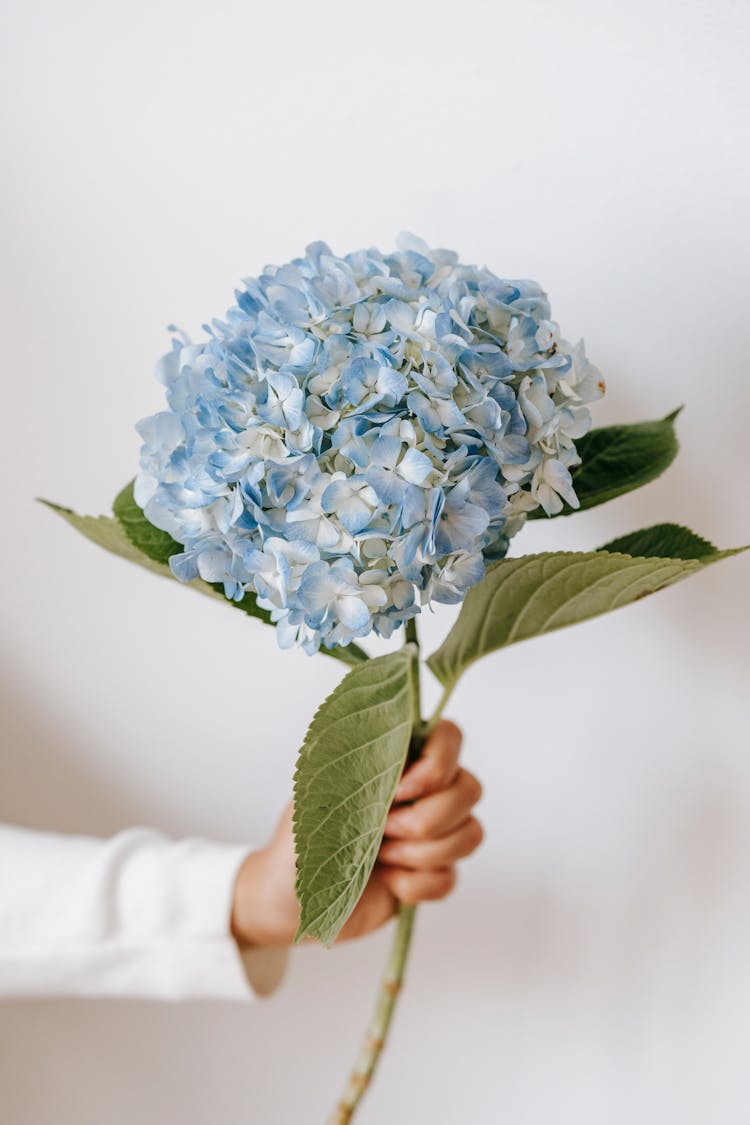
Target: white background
593,965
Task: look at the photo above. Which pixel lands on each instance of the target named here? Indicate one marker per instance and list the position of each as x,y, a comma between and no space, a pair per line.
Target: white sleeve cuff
137,915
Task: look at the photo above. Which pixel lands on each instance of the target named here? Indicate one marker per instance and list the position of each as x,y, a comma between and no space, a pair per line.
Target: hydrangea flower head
361,435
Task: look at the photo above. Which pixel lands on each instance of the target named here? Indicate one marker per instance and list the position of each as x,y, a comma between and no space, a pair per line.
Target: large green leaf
347,773
135,539
110,534
527,597
617,459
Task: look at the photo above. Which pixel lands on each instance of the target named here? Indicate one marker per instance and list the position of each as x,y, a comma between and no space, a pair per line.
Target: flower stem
377,1032
390,986
417,730
437,713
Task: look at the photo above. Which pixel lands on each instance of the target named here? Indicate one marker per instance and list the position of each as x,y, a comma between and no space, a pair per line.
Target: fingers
441,852
428,830
375,907
411,887
437,814
437,766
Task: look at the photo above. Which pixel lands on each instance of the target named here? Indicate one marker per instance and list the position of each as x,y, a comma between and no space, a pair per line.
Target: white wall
593,964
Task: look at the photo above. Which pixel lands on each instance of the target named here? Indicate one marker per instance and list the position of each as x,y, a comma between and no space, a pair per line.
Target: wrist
258,919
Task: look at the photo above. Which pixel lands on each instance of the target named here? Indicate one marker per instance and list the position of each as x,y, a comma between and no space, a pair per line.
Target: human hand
429,828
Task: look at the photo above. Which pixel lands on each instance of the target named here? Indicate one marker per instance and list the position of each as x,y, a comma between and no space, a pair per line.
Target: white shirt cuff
138,915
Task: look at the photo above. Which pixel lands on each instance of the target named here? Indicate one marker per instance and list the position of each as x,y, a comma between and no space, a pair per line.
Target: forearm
135,915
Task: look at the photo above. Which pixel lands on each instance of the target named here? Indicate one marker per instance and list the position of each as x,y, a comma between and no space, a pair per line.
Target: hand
429,828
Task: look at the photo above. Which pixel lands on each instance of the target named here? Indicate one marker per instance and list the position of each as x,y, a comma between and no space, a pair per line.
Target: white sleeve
136,915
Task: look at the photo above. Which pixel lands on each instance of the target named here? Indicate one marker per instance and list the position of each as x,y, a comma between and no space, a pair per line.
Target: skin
429,828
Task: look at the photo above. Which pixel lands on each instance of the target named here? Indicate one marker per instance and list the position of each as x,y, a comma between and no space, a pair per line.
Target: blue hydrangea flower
360,435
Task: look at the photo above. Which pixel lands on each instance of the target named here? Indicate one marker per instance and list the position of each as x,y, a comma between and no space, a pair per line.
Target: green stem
377,1031
418,732
390,986
423,726
437,713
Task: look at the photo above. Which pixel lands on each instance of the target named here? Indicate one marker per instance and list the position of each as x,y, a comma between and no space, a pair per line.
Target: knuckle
405,824
433,773
422,828
475,833
453,733
473,787
446,882
406,889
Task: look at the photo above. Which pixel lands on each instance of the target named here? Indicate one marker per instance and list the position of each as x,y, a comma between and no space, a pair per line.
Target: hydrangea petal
361,433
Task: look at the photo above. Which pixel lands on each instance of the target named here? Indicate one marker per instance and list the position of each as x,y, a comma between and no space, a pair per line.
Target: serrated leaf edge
393,672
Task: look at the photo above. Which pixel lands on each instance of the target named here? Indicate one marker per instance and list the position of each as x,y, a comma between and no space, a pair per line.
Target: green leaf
135,539
110,534
159,546
617,459
152,541
347,772
663,540
527,597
